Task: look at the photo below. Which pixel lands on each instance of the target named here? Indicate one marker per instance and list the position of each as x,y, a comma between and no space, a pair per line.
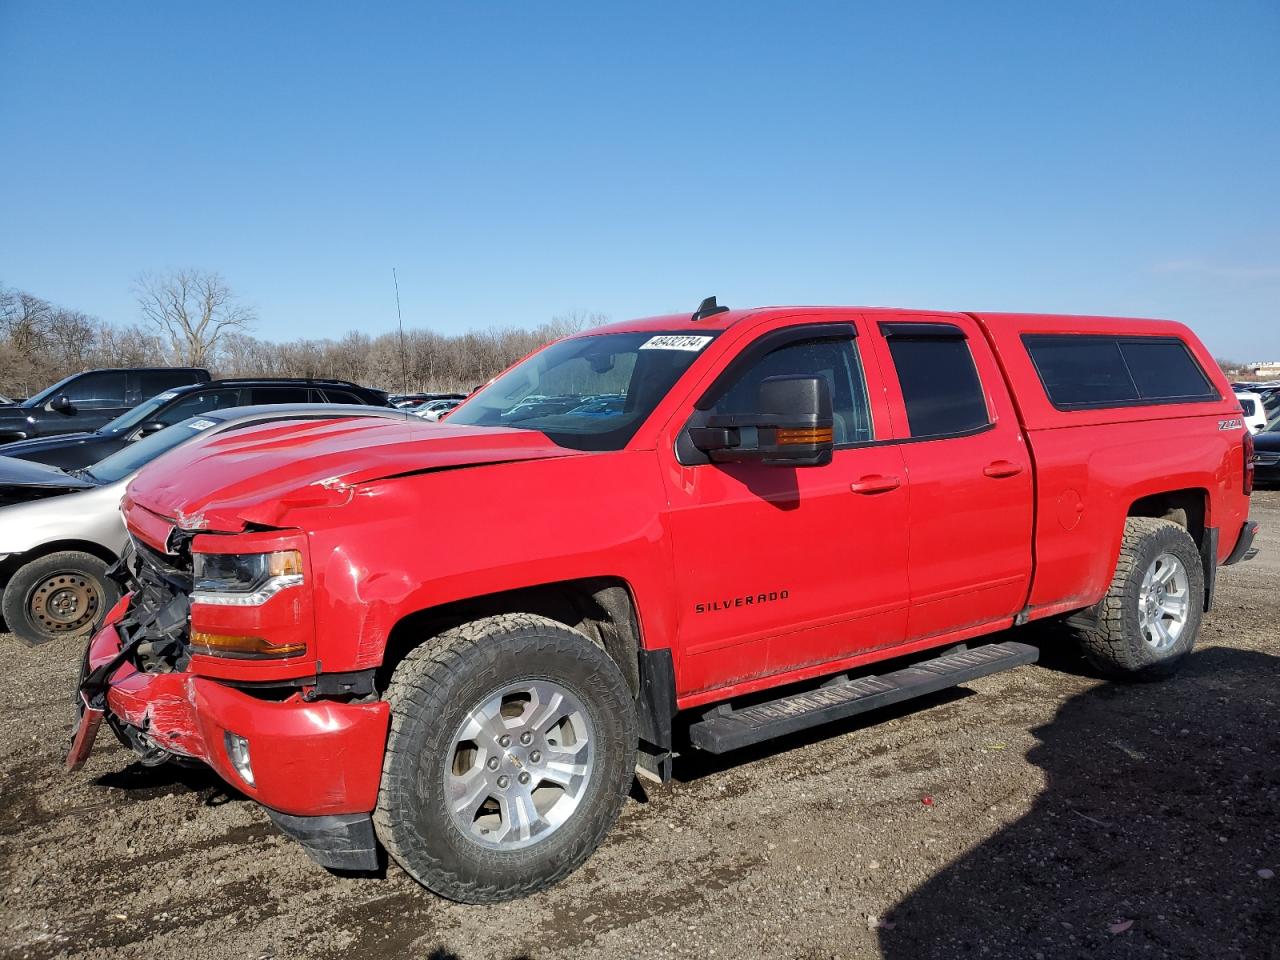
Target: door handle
999,469
875,483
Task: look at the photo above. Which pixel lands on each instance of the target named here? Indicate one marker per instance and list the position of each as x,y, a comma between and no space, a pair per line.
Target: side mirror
150,427
60,404
792,426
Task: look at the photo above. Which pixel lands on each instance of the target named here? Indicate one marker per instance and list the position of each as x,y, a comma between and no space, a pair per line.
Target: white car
433,410
60,531
1255,412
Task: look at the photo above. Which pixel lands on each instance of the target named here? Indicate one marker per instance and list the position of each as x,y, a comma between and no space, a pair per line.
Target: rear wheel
1150,617
511,751
64,594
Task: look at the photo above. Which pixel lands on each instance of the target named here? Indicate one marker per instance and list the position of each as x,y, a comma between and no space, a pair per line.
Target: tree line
192,318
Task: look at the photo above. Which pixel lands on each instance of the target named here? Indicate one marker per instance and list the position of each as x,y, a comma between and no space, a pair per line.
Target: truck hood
22,480
257,475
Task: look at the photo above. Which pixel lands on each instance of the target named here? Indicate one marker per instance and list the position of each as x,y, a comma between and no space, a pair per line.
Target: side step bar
724,729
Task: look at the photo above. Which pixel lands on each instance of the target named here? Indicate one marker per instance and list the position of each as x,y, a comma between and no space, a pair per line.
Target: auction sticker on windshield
671,341
200,424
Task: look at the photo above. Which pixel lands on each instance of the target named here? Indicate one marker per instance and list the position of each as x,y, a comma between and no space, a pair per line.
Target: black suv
75,450
86,401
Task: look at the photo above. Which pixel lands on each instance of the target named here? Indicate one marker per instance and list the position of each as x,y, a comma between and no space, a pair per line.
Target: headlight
244,579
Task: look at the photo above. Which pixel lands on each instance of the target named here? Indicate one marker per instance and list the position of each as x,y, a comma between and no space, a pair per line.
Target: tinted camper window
1082,371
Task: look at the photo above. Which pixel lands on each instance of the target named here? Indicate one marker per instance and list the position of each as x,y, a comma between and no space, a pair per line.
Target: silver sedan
60,532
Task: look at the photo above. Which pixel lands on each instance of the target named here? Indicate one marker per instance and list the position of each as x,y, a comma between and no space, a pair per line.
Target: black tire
1117,647
37,588
431,694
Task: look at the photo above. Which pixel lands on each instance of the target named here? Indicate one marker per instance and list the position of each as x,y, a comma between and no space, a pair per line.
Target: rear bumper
309,759
1244,548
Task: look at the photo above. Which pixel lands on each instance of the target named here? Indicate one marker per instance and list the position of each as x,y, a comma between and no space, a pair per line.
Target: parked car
86,401
797,515
6,402
435,410
1266,458
60,531
1255,413
74,450
417,399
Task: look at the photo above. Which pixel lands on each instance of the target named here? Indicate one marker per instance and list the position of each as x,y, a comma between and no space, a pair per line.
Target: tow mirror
792,426
60,404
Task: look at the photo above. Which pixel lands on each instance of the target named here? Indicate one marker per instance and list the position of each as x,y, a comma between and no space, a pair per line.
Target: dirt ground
1040,813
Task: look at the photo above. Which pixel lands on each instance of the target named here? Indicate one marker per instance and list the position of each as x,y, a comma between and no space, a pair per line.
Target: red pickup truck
458,642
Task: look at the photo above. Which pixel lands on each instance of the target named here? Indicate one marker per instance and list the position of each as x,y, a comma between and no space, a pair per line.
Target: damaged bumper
314,763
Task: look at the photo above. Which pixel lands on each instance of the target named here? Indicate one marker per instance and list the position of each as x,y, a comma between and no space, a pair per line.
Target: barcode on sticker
675,341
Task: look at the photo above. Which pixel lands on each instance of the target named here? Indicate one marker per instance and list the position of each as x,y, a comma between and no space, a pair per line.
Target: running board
724,729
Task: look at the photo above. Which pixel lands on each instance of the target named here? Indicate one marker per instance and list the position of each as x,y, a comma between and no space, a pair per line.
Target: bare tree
1231,368
194,310
41,342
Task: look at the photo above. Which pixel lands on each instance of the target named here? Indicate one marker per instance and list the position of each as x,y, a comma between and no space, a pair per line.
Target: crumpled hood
24,474
257,475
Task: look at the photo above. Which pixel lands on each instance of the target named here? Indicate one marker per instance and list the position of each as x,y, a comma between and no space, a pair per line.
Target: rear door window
1081,371
341,396
940,384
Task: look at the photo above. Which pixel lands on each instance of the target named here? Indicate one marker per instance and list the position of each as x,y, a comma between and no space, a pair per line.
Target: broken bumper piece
338,841
319,759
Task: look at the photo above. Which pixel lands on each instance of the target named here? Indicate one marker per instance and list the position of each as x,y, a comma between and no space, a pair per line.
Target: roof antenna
404,365
707,308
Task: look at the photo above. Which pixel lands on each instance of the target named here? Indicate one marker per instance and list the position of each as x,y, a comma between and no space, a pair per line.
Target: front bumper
310,759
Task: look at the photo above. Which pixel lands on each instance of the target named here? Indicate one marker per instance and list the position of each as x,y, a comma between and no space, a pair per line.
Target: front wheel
1150,617
511,751
64,594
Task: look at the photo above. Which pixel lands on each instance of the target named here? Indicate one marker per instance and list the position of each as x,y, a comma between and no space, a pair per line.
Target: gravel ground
1039,813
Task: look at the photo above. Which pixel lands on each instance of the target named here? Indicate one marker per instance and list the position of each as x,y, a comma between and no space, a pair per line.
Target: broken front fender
307,758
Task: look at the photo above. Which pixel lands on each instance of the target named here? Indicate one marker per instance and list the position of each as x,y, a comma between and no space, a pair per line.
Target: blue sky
516,161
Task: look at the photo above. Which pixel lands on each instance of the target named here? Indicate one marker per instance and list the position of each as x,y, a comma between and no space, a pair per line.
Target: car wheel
64,594
1150,617
511,751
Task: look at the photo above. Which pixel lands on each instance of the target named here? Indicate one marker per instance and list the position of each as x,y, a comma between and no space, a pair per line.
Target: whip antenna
404,364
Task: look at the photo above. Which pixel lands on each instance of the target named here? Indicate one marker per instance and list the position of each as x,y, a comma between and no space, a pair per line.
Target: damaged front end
308,746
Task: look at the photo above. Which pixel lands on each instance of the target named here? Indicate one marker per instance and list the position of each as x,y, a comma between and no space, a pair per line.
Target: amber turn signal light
805,435
230,645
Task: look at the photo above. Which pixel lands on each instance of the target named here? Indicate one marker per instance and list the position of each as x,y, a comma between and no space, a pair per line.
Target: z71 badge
1235,423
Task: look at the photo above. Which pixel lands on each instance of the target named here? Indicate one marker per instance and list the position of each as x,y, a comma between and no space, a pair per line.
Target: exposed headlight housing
244,579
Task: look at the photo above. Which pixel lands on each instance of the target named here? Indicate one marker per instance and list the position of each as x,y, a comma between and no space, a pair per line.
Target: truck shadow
1158,814
140,782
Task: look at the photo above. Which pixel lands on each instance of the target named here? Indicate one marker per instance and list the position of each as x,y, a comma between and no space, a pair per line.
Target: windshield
586,393
137,455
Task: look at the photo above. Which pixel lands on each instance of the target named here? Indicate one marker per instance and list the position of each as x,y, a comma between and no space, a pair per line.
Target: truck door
970,524
778,568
